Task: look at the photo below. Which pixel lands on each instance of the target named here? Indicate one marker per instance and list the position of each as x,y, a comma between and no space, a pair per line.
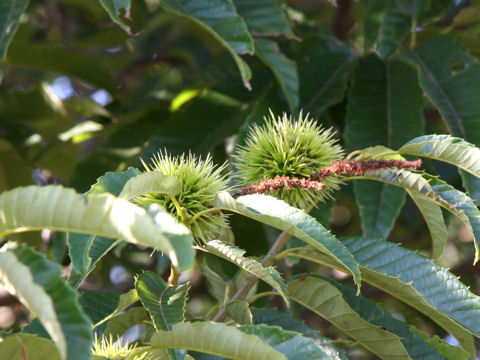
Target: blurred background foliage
84,91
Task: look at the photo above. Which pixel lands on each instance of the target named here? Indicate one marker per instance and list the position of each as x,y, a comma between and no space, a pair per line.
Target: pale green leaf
151,182
445,148
165,303
325,300
39,285
280,215
26,346
216,339
239,311
65,210
236,255
370,311
224,24
10,13
432,213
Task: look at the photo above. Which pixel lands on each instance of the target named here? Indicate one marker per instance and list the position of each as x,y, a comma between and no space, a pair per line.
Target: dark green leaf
284,69
118,325
385,108
99,304
224,24
446,70
264,17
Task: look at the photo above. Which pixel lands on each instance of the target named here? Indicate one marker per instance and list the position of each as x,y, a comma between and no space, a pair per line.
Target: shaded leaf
395,25
284,69
13,170
239,311
264,17
236,255
224,24
113,7
165,303
280,215
118,325
444,348
99,304
39,285
323,71
216,339
385,108
446,70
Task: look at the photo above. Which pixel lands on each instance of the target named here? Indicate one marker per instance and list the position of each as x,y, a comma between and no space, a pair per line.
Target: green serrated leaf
236,255
325,300
224,24
395,25
385,108
445,148
216,339
166,304
39,285
10,13
436,190
370,311
103,214
415,280
280,215
239,311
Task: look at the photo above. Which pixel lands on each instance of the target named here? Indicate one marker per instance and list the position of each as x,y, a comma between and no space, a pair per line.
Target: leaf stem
287,252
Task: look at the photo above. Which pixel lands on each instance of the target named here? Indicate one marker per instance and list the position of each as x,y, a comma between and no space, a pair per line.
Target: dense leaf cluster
180,151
